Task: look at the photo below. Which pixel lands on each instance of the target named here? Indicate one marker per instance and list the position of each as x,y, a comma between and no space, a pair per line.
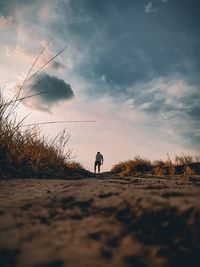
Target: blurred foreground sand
105,221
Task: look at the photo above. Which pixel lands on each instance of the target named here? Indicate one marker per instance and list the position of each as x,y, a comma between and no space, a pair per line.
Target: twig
46,63
32,66
53,122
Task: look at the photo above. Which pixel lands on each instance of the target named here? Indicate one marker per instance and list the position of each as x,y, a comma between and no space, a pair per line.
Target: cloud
57,65
29,57
164,93
170,102
50,89
133,45
5,22
149,8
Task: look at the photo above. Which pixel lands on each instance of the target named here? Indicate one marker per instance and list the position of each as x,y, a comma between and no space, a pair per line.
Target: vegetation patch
182,165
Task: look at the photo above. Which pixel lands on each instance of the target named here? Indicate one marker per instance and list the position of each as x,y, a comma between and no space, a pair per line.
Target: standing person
98,161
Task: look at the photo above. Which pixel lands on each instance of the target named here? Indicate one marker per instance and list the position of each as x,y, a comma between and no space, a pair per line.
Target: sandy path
109,221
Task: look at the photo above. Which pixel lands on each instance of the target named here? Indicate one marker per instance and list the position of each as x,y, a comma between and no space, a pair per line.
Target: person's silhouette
98,161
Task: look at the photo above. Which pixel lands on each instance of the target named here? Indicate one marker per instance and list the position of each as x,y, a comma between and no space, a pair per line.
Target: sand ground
101,221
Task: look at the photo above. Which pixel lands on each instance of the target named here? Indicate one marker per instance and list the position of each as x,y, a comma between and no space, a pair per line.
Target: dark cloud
191,108
126,45
50,90
133,46
170,103
194,113
57,65
56,89
194,139
160,102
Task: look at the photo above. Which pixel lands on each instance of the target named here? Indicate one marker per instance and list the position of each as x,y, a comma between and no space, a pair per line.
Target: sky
131,66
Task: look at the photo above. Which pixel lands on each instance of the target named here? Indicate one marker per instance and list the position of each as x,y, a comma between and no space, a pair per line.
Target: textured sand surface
105,221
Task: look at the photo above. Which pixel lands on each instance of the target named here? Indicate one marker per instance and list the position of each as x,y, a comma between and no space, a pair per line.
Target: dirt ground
100,221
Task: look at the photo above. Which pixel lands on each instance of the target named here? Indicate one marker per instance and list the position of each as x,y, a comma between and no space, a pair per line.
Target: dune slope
105,221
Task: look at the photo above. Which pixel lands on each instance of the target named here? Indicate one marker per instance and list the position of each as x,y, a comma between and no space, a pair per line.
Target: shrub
136,166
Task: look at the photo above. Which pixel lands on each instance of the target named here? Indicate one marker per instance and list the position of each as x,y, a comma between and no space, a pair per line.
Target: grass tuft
29,154
24,151
182,165
136,166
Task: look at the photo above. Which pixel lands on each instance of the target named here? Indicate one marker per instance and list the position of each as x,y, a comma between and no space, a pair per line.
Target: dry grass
164,167
24,152
136,166
74,165
182,165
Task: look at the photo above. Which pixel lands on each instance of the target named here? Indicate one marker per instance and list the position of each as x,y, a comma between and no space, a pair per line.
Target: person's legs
99,164
95,166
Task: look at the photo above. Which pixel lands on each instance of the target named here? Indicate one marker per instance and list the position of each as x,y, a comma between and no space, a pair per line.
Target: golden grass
185,164
74,165
135,166
27,153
